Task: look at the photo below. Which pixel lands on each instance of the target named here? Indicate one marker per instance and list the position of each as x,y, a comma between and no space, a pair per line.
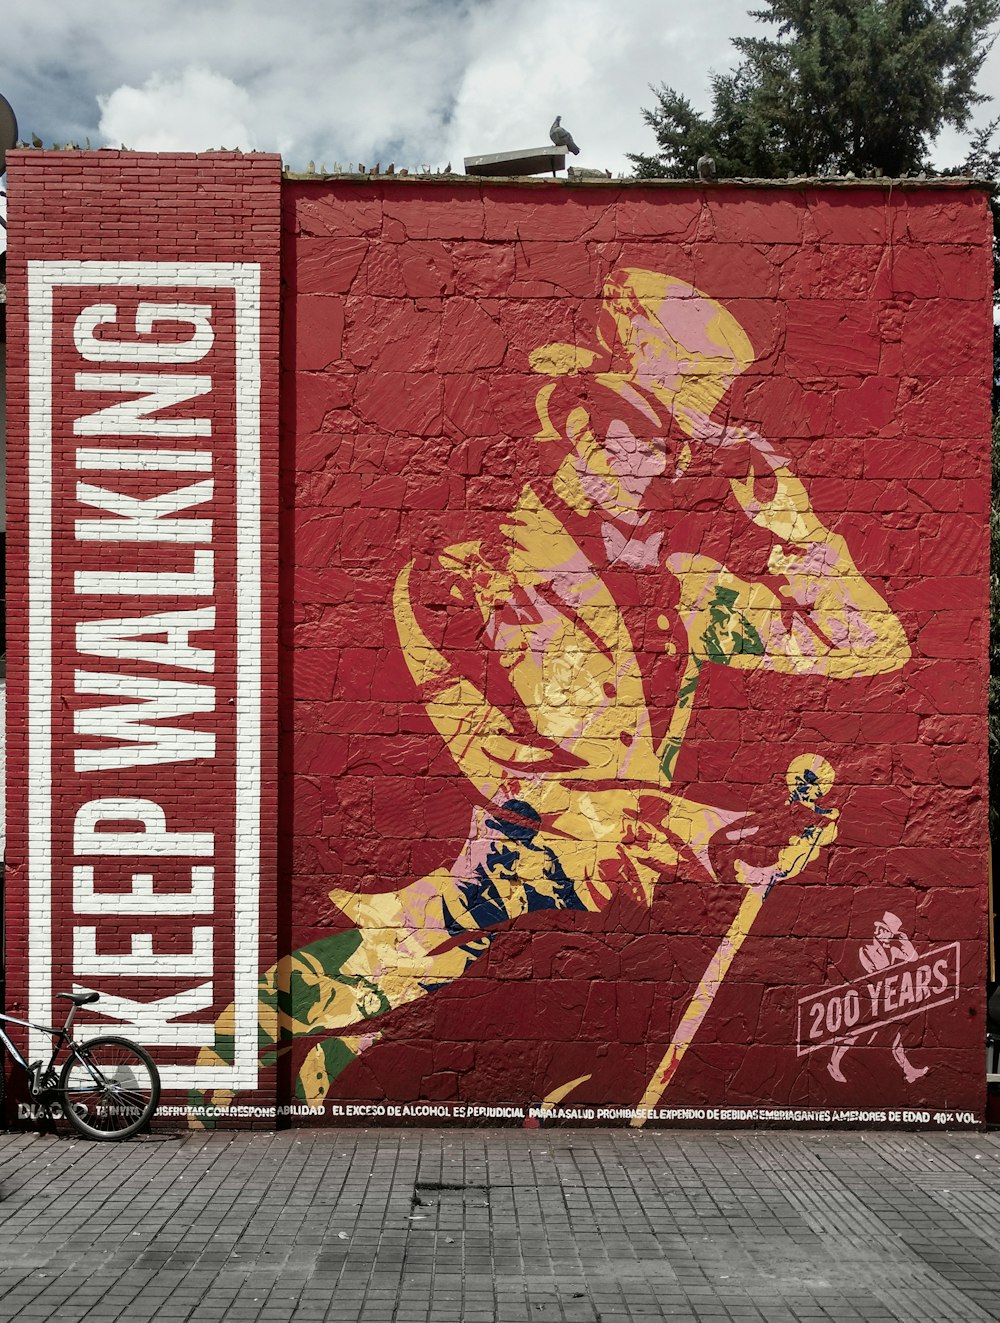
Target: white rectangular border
856,1030
245,279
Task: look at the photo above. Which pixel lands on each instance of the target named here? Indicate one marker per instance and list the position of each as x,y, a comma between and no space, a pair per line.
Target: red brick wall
632,579
417,706
141,856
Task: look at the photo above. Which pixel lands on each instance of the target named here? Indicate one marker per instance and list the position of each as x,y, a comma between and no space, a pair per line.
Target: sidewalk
501,1226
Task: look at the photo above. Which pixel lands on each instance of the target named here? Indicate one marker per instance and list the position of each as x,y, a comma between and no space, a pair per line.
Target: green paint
689,686
298,1001
337,1056
724,639
669,757
674,738
225,1048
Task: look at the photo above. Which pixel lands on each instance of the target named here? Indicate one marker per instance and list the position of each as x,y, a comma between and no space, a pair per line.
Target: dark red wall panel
635,648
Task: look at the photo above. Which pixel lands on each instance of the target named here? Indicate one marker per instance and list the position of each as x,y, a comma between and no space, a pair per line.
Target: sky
415,82
412,81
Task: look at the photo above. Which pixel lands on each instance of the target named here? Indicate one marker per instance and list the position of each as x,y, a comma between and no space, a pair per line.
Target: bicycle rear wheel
110,1088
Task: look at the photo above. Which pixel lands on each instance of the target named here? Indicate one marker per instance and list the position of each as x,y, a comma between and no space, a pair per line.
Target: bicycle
109,1087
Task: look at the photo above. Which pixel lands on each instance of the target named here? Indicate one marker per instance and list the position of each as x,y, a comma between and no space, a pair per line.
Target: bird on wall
562,137
706,167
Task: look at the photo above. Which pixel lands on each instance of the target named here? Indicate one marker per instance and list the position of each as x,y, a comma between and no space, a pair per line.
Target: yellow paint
573,738
314,1078
555,1096
791,860
559,360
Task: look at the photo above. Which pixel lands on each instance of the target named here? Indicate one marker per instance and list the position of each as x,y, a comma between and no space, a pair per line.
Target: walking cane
809,778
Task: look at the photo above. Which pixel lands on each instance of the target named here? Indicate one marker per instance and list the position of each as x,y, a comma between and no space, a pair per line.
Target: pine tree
838,86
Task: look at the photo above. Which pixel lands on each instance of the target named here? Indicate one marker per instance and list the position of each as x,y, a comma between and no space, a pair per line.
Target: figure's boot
324,1062
912,1073
833,1065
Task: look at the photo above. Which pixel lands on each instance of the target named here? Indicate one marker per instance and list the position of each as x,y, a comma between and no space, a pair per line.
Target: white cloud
410,80
583,60
324,78
192,111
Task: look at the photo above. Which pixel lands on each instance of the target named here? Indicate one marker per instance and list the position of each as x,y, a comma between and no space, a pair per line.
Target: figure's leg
912,1073
405,943
837,1055
304,994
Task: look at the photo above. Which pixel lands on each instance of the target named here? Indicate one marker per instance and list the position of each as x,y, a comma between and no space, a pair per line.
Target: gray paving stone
501,1227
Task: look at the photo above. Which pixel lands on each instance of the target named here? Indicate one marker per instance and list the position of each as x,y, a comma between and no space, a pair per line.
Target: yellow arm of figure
858,633
561,639
478,735
825,619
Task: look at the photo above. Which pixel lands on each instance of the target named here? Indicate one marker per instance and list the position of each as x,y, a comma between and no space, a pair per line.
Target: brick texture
142,572
411,431
624,609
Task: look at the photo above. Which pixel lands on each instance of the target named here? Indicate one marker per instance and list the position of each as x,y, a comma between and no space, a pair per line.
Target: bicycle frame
35,1071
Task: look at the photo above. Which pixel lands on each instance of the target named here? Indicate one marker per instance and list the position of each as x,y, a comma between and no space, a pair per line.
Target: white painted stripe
248,672
39,556
203,1078
172,461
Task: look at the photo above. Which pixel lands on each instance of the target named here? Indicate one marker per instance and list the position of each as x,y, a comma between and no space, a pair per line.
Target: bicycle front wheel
110,1088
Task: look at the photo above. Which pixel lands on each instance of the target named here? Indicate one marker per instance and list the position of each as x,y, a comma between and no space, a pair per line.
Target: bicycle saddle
80,998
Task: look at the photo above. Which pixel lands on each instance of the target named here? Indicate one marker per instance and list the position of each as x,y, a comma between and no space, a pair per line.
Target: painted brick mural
632,583
142,646
636,674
